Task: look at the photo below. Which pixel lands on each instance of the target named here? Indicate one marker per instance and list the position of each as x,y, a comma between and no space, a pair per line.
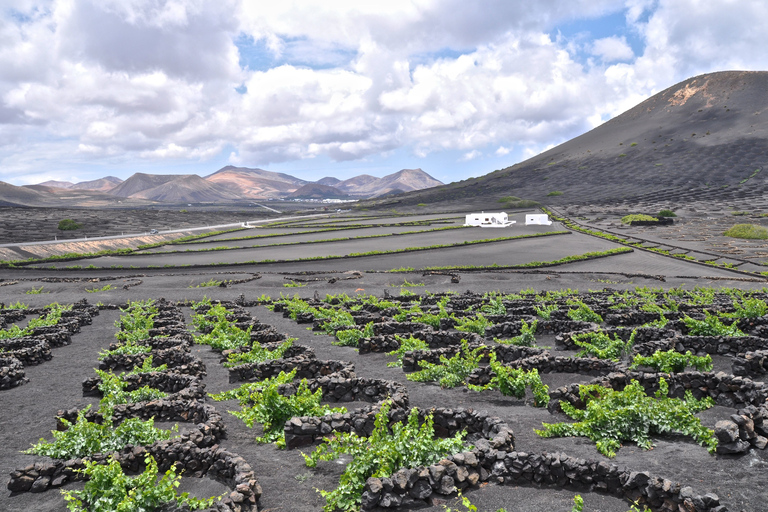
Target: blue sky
338,87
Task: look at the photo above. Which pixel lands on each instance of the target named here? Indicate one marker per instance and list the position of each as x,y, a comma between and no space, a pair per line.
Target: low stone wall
29,350
751,364
509,329
196,460
433,339
413,487
177,358
11,373
482,429
547,363
504,354
177,409
355,389
726,389
643,335
307,367
384,328
636,317
165,381
719,345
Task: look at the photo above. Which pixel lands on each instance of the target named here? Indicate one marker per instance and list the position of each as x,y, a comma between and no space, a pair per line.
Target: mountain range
227,185
703,138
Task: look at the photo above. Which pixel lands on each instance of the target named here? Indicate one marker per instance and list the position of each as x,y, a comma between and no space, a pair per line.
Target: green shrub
748,308
667,213
600,345
408,445
108,489
406,345
257,354
451,372
545,312
113,391
711,326
514,381
672,361
84,438
68,225
748,232
526,338
628,219
476,324
555,193
613,416
352,337
582,313
272,410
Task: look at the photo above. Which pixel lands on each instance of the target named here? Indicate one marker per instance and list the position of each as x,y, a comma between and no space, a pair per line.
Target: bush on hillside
667,213
748,231
68,225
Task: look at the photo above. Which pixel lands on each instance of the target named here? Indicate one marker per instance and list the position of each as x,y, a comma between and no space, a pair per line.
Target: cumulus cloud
114,81
611,49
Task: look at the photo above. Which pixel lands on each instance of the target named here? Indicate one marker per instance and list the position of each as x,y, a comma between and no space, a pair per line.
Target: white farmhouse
540,219
488,220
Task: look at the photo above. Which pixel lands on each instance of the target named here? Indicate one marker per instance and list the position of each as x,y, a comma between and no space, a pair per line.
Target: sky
315,88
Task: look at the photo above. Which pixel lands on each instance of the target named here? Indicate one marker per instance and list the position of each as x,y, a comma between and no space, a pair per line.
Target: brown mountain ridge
228,185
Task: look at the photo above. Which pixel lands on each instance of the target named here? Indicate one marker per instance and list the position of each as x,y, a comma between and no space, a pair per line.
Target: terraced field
518,303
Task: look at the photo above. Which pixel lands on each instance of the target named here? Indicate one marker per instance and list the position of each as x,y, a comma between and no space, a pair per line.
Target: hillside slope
703,138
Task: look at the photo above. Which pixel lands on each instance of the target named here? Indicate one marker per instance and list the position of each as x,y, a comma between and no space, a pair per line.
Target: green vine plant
526,338
600,345
108,489
113,391
243,392
84,438
257,354
748,308
582,313
672,361
265,405
711,326
407,445
613,416
452,372
476,324
147,366
352,337
514,381
545,311
49,319
408,344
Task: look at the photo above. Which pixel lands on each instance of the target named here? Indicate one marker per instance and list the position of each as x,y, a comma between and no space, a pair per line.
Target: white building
540,219
488,220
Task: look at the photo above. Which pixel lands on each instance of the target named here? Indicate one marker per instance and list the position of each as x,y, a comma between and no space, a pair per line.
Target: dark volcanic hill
255,183
317,191
706,137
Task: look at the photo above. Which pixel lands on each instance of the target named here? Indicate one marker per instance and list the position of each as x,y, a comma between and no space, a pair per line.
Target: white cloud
108,82
611,49
471,155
